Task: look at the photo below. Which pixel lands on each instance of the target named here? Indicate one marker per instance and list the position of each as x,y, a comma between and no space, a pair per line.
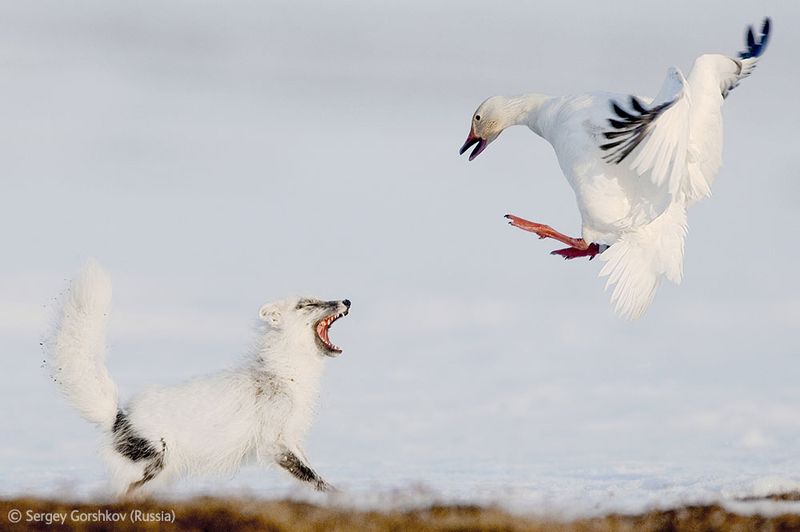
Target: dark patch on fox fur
291,463
128,443
152,468
313,303
137,449
294,465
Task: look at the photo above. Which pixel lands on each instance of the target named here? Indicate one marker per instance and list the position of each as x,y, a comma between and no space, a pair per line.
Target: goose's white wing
711,79
653,139
677,140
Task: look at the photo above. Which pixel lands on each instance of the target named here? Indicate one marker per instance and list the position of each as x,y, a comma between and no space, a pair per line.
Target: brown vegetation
278,516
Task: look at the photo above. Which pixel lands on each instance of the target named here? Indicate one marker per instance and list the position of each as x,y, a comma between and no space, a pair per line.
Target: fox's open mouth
322,328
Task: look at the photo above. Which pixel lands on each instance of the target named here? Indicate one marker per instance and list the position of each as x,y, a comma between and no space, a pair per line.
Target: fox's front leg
300,470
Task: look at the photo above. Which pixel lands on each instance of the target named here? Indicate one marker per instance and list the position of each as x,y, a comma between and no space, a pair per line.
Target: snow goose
635,164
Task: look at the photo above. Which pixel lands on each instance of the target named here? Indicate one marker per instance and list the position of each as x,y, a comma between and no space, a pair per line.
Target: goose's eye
477,118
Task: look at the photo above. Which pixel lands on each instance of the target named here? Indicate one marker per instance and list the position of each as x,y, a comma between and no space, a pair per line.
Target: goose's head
488,121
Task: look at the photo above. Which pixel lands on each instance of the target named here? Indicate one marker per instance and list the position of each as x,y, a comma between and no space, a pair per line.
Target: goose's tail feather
637,262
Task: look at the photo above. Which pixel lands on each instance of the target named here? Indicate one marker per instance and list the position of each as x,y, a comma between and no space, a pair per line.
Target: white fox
259,411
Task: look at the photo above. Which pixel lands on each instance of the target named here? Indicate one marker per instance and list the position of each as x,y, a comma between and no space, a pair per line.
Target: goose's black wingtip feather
751,39
620,112
765,34
756,47
637,105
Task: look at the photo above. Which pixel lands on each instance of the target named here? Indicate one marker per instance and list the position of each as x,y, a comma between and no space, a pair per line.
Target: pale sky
213,156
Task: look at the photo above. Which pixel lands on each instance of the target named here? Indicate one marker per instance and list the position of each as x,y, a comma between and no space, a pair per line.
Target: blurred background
214,156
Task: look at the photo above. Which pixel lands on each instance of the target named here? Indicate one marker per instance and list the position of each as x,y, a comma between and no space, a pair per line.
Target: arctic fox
260,411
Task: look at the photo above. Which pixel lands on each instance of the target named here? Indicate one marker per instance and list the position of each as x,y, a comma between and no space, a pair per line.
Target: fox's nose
346,303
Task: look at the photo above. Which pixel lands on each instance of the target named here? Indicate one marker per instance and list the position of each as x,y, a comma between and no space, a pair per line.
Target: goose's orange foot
545,231
573,253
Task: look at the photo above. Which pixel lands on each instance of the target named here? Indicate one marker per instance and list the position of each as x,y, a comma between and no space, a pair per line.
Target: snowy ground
216,158
559,433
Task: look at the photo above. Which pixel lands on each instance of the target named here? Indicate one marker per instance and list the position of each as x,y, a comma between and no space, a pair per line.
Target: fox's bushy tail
79,347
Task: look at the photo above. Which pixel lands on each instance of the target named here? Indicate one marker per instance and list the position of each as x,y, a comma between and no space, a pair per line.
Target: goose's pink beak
472,138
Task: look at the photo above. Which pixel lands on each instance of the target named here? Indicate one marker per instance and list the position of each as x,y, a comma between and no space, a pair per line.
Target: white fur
212,424
79,349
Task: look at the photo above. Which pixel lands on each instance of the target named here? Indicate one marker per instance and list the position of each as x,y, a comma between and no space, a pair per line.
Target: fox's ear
270,314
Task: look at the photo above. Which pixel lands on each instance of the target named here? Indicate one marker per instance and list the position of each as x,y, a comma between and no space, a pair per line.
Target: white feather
636,263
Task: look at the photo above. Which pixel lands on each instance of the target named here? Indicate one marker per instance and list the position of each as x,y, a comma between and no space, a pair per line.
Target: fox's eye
477,118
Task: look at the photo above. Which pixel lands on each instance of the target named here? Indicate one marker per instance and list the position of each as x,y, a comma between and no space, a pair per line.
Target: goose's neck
524,110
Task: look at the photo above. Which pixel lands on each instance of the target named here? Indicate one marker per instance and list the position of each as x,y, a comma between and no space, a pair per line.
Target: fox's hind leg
144,455
153,467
